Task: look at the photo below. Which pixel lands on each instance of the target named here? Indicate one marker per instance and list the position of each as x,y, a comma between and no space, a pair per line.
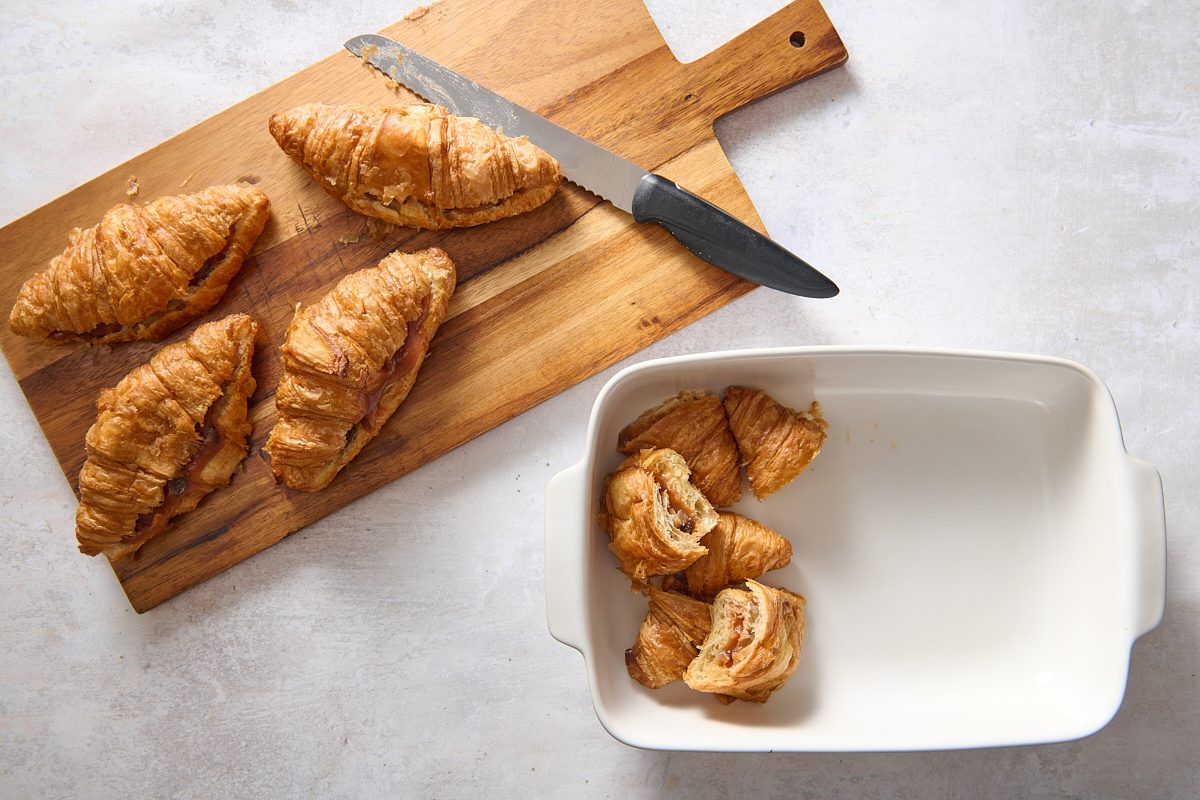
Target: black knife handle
723,241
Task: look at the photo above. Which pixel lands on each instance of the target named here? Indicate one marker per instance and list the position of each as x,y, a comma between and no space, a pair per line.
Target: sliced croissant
776,442
417,165
173,430
694,425
143,271
654,517
668,639
739,548
350,359
754,645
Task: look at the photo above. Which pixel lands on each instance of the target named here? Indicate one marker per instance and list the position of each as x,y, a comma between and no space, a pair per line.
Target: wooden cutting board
544,300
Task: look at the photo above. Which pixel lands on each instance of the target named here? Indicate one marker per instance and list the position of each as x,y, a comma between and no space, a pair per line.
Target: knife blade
707,231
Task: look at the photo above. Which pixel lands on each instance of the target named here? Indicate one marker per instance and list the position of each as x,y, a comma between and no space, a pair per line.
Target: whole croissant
143,271
350,359
417,165
171,431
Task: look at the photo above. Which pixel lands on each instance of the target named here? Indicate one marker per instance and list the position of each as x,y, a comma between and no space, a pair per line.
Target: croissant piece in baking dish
170,432
417,165
654,516
694,425
739,549
350,359
754,645
143,271
668,639
776,442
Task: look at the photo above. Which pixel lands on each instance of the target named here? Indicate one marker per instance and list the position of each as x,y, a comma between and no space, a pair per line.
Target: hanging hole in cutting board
797,39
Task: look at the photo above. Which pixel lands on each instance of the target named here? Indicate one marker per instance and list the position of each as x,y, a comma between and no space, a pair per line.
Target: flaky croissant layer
143,271
417,165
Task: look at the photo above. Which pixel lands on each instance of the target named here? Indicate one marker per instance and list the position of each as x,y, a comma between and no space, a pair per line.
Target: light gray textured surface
1018,176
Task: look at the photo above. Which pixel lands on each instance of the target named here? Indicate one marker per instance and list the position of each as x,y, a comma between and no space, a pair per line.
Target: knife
710,233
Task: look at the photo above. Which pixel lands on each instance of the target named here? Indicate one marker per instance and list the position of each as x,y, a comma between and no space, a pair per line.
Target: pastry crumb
352,238
367,52
133,187
418,12
187,180
379,229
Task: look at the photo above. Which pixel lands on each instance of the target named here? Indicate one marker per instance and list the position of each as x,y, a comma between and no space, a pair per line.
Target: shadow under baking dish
963,540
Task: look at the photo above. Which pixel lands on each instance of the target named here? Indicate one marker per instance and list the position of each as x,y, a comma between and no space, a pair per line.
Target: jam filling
401,362
103,329
208,266
738,638
181,488
679,518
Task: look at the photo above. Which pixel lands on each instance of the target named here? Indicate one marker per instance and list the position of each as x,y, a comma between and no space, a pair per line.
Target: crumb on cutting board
132,189
379,229
352,238
418,12
186,180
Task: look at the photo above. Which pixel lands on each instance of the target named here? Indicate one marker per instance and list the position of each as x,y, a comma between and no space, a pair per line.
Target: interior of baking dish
967,541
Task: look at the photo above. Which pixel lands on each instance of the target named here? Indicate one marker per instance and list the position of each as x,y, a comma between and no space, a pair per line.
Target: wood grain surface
544,300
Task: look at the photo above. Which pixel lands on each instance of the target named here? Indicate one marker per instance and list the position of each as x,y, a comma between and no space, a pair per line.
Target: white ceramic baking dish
978,552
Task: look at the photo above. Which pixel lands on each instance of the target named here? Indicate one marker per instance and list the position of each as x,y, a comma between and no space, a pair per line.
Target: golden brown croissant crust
739,549
754,645
171,431
776,442
694,425
143,271
654,517
668,639
417,165
350,359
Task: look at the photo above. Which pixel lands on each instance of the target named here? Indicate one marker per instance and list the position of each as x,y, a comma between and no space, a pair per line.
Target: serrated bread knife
701,227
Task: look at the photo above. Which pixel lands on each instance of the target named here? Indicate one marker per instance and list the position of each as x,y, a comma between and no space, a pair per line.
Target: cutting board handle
784,48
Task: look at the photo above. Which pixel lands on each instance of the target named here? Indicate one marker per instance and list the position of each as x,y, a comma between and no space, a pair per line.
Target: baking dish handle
1152,545
566,542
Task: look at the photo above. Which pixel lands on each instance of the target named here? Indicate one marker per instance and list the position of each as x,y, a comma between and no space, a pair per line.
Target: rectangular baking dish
978,551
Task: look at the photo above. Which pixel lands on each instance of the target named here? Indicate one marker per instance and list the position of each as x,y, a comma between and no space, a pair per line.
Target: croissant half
754,645
739,548
173,430
694,425
417,165
776,442
654,517
668,639
350,359
143,271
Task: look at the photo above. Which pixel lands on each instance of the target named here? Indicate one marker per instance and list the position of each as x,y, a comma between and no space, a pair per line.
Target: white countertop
1018,176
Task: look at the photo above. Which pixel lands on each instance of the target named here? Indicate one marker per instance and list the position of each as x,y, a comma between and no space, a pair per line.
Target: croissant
143,271
776,442
417,165
654,517
173,430
668,639
754,645
738,549
350,359
694,425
